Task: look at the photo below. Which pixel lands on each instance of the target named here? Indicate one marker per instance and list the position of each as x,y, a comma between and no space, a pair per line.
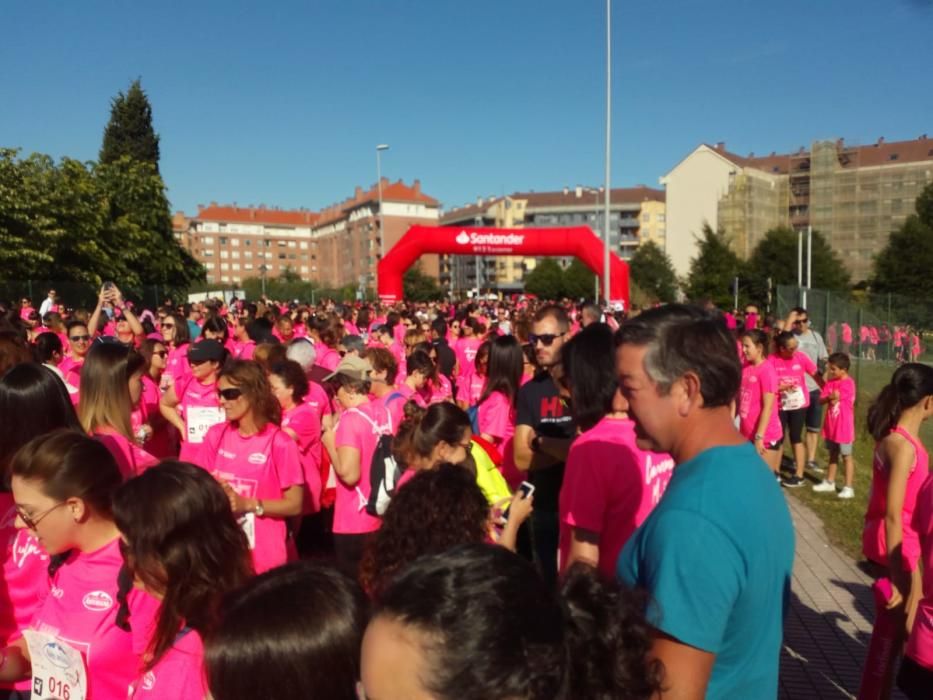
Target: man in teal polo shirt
716,553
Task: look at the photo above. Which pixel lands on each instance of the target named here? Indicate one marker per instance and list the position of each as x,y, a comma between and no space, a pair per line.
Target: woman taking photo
111,381
63,485
257,463
191,403
181,545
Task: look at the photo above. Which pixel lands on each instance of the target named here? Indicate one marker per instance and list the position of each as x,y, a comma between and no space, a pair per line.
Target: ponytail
402,443
607,639
910,384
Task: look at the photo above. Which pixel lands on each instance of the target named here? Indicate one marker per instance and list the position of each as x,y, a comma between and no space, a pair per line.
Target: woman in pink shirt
791,367
757,406
79,342
302,422
33,402
916,675
496,412
112,385
470,385
182,546
610,485
63,484
900,468
191,404
216,328
175,333
257,463
467,345
351,446
161,440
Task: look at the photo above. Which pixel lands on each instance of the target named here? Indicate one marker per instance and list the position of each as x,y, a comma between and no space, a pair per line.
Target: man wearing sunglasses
544,428
811,344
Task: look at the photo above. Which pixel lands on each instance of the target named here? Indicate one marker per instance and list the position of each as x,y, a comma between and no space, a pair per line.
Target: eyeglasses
801,320
79,338
168,325
31,523
162,353
547,339
230,394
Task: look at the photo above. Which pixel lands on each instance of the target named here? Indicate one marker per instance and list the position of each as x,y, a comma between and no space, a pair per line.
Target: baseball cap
205,351
353,366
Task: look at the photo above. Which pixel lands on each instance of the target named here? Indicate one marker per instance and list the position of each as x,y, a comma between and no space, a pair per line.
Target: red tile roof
391,192
257,215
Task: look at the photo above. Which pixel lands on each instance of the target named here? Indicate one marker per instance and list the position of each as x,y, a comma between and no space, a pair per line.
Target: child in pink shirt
839,426
758,411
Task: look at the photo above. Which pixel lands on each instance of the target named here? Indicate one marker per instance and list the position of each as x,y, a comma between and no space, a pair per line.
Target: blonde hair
105,392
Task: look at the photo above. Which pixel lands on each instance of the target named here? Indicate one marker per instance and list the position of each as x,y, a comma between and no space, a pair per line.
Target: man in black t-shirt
446,359
543,432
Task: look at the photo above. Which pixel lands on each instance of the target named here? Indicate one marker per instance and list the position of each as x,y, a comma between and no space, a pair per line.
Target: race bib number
793,398
200,419
57,668
248,523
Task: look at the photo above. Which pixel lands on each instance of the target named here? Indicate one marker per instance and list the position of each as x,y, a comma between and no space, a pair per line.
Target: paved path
829,623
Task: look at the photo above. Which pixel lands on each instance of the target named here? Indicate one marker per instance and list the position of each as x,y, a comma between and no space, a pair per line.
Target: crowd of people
509,499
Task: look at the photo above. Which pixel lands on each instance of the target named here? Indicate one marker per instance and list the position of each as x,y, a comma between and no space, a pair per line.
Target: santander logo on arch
463,238
509,239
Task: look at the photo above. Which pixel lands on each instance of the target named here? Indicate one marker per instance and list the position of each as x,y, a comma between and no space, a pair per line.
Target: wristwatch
759,437
259,511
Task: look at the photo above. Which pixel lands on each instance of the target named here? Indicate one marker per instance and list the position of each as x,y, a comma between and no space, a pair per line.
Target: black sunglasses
230,394
161,353
547,339
79,338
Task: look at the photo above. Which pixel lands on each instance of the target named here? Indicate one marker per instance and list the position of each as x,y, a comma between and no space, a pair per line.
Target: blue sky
283,103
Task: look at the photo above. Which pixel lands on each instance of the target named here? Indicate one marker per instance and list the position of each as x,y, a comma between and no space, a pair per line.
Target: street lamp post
262,271
608,134
379,149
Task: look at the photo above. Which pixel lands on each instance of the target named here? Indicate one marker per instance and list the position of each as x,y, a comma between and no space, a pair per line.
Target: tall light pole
379,149
608,135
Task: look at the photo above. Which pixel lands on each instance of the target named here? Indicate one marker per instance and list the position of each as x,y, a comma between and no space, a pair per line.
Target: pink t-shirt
327,357
81,610
130,457
470,387
178,675
874,545
920,644
791,380
162,442
176,365
465,349
359,428
436,392
610,486
246,350
846,333
305,421
260,466
71,369
200,409
395,402
840,416
496,417
25,582
318,399
758,380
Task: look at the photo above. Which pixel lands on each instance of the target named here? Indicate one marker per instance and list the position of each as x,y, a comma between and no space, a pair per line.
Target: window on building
224,266
235,254
208,253
282,244
207,240
646,218
661,218
248,242
247,266
281,256
292,244
224,254
235,242
303,245
893,156
223,240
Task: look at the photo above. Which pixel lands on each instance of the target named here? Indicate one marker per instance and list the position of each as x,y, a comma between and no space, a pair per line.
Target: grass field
844,519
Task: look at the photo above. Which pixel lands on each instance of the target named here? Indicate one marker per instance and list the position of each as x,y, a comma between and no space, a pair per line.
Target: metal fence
77,294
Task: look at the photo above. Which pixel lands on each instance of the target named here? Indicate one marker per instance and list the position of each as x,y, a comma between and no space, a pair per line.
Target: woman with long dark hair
182,545
610,484
496,408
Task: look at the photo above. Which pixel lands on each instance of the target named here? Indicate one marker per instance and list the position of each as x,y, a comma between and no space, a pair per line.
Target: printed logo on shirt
56,592
149,681
22,551
753,380
56,654
257,458
226,454
551,407
98,601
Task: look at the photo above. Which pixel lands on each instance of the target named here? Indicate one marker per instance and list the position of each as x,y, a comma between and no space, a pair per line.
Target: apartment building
235,243
346,235
578,206
855,195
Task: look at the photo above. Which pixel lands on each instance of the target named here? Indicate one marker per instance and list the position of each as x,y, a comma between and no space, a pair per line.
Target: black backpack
384,471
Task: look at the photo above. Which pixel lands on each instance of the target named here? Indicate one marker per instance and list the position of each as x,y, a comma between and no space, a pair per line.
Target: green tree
418,286
713,270
775,258
130,132
546,280
579,282
652,270
903,265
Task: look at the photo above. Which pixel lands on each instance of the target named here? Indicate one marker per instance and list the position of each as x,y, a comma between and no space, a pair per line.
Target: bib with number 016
200,419
792,399
58,671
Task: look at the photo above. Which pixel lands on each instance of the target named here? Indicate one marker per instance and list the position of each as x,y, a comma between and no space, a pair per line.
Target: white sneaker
846,492
825,487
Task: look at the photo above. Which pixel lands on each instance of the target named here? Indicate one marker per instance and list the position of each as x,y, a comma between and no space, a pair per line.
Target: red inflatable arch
579,241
